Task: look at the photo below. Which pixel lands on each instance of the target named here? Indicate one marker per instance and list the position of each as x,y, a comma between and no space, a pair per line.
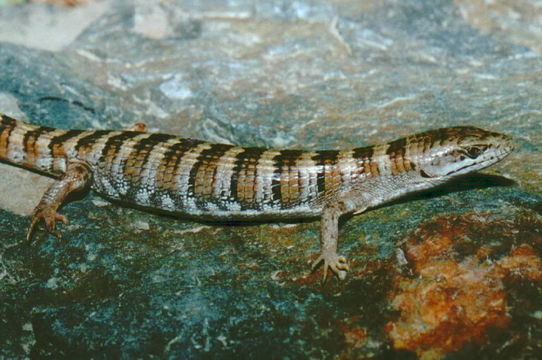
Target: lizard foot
337,264
50,217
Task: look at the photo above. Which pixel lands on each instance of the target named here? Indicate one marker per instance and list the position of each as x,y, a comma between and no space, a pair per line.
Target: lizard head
454,151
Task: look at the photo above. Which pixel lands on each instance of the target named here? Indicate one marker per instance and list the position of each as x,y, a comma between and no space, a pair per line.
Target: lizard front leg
329,235
77,177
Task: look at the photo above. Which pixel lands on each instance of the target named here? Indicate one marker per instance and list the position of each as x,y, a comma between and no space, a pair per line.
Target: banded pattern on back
220,180
195,177
216,179
30,146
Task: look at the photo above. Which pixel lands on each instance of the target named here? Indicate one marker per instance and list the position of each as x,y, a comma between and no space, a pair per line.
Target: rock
122,282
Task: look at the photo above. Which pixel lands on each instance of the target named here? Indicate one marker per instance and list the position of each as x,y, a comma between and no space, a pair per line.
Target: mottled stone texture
311,74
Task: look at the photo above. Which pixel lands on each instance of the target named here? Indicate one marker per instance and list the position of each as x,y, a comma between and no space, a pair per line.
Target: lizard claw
49,216
337,264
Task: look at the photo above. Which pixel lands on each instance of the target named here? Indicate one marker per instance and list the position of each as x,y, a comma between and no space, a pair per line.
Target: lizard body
198,178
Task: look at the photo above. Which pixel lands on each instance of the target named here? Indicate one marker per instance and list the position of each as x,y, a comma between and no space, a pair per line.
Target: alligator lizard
197,178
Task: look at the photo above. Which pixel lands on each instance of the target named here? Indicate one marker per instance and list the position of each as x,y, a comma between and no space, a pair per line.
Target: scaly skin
198,178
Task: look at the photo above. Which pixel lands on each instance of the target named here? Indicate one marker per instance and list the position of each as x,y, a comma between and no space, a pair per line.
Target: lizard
223,181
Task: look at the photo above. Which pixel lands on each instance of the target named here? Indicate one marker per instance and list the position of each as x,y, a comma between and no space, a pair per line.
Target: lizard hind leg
77,177
329,235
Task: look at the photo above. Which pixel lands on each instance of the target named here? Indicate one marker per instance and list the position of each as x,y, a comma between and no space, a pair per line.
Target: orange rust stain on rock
448,306
354,335
523,263
454,298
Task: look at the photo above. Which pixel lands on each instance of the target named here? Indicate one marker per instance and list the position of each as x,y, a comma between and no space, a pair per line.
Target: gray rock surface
304,74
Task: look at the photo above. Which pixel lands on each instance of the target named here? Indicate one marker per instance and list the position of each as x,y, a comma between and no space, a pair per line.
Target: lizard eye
474,151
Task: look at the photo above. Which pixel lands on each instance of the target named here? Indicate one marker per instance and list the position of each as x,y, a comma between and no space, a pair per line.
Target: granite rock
123,283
